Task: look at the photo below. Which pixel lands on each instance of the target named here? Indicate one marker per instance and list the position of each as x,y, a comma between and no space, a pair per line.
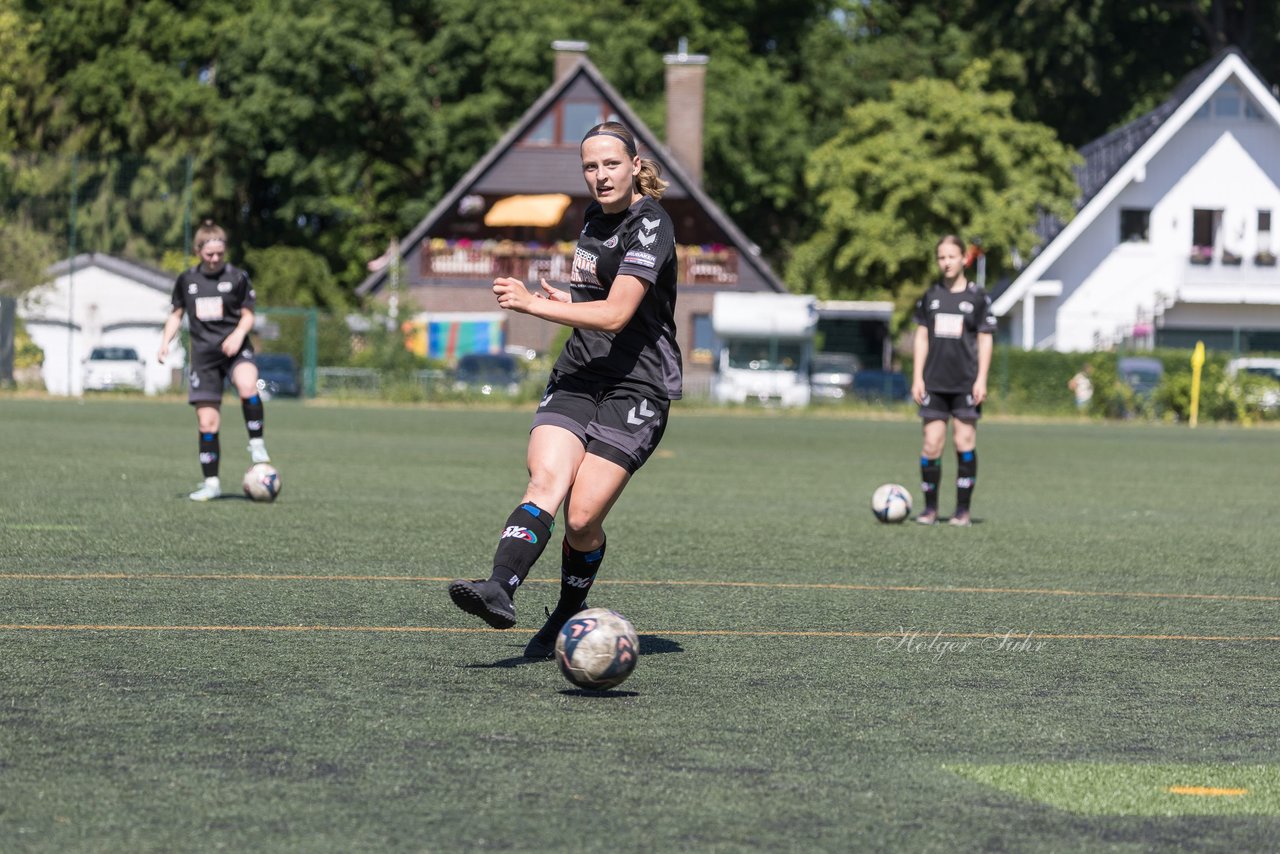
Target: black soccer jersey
954,321
213,303
637,242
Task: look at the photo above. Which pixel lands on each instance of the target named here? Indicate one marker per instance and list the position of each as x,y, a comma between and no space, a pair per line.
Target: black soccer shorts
939,406
208,372
622,424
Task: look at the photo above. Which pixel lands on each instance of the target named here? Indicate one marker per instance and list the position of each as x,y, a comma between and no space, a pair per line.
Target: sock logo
519,532
580,581
964,482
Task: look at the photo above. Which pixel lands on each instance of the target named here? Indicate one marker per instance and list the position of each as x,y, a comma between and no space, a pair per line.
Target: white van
766,342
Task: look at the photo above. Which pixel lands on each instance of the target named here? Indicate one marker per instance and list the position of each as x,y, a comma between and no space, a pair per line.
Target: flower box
1202,255
1265,259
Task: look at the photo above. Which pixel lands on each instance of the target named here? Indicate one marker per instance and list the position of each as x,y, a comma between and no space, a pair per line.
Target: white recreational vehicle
766,341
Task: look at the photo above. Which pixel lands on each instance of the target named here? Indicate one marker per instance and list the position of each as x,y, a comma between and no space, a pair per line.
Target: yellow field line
767,585
1017,637
1207,791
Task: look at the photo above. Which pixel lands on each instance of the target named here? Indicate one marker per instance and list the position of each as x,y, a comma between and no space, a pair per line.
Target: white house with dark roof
1174,239
97,300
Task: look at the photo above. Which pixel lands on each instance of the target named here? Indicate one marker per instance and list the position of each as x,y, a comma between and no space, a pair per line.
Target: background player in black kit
218,298
605,407
949,378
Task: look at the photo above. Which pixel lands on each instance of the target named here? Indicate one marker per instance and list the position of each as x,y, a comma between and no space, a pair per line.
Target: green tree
1089,65
293,276
27,255
936,158
327,129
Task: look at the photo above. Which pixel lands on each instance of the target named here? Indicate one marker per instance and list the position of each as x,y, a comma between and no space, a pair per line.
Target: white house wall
95,307
1109,286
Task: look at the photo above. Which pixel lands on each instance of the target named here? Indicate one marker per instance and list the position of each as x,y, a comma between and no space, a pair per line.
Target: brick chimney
686,97
567,55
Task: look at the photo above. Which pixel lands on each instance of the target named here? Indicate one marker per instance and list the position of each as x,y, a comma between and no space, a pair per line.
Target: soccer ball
262,482
891,502
597,649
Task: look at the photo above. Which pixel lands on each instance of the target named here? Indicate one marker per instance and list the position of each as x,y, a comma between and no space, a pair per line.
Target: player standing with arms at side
949,378
605,407
218,298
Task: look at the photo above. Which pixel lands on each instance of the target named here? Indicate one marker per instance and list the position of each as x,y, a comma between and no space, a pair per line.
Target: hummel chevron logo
645,412
647,239
650,224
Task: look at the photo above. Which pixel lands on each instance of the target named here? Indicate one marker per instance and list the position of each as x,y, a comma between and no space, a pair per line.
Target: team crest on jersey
966,307
224,287
611,242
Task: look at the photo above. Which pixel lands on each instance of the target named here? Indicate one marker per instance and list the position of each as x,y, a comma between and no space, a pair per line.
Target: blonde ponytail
649,181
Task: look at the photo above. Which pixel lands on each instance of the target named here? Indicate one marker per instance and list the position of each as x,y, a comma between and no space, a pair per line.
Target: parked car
488,374
1140,373
1259,366
831,376
278,375
887,386
109,368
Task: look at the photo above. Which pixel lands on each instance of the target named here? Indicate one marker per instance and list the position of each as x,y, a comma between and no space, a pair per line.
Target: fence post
309,352
71,274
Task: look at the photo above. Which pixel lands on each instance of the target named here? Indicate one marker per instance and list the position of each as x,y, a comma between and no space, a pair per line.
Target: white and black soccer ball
891,502
262,482
597,649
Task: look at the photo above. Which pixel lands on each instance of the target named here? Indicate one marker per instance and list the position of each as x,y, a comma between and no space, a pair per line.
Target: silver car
831,376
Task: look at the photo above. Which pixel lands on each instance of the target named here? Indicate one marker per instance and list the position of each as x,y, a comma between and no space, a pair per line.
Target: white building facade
1175,238
97,300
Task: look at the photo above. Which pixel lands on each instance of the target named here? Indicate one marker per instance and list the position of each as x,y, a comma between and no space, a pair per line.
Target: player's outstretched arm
606,315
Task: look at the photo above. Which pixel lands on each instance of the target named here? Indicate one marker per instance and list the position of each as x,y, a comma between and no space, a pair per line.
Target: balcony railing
1204,256
490,259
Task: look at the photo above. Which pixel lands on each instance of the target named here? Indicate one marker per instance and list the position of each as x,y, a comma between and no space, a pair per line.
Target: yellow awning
542,211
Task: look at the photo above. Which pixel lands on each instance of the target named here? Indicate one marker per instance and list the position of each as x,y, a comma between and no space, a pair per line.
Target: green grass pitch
292,676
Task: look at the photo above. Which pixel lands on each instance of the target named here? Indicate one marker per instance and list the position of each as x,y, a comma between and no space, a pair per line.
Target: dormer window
567,122
1230,102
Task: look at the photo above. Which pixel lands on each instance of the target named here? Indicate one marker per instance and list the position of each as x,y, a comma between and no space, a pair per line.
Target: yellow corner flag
1197,362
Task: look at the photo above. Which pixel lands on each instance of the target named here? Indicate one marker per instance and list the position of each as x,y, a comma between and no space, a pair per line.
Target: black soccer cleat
486,599
543,644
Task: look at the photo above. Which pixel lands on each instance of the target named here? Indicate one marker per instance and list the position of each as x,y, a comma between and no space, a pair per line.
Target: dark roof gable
584,69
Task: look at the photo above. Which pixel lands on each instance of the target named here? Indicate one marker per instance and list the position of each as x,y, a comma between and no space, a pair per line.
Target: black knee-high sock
209,453
525,536
930,478
577,574
253,415
966,474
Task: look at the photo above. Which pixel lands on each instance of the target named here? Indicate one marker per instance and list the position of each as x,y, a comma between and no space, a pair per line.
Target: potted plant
1201,254
1265,258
